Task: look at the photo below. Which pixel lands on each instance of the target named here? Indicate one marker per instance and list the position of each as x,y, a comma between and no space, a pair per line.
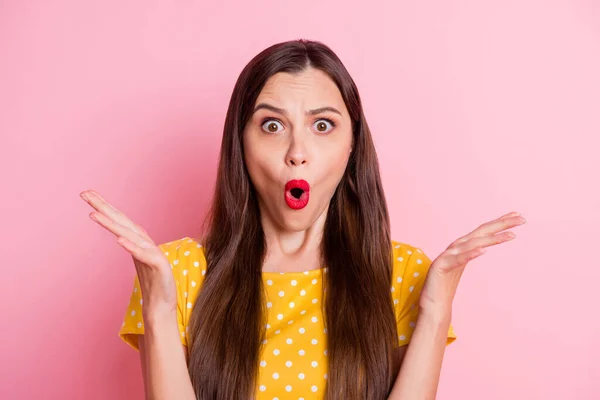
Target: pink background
483,107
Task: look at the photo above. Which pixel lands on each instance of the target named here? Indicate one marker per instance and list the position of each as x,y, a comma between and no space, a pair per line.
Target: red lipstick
297,192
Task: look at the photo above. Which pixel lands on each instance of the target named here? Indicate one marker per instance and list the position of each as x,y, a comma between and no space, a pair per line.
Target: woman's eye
271,126
324,125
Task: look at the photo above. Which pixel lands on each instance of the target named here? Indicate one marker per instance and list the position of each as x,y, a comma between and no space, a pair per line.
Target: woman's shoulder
408,257
186,256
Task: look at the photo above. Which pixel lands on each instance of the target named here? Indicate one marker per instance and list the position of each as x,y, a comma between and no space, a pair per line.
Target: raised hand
445,271
153,269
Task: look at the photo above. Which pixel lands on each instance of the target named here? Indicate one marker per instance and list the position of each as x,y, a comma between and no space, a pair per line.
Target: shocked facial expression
296,147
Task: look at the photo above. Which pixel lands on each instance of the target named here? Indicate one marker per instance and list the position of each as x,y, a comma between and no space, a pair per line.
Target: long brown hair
228,321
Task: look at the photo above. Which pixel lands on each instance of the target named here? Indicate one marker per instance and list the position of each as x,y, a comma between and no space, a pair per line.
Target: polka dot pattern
293,355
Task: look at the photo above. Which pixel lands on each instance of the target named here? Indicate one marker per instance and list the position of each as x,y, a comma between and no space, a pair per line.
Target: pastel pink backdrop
481,107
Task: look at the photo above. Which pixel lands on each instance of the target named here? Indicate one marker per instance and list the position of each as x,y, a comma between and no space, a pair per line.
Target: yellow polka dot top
293,360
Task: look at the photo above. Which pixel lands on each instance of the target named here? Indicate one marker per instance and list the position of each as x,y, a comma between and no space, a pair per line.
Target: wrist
157,317
441,313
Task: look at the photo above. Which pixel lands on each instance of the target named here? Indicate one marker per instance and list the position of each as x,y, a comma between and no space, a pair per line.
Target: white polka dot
305,272
280,316
325,352
196,264
288,341
314,281
399,279
203,272
275,375
392,289
290,322
397,246
166,253
288,388
419,261
187,253
400,259
281,293
288,364
416,274
198,245
263,363
402,337
193,283
185,272
314,388
132,313
294,282
412,324
185,294
141,302
134,290
314,364
292,304
269,282
314,301
139,324
264,341
276,352
300,375
189,305
302,330
419,251
277,332
325,376
314,341
302,312
411,288
314,319
175,262
301,352
395,301
302,292
269,304
262,388
268,326
409,252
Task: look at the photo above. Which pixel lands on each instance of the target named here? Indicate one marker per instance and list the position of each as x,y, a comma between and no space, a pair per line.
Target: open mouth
297,193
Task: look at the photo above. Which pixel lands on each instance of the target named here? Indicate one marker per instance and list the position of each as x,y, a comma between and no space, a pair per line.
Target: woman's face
296,145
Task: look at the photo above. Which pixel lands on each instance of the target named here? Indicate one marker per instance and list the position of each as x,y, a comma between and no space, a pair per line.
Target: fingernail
84,196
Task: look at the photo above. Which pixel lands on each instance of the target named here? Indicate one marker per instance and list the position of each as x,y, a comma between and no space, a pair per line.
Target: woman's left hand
445,271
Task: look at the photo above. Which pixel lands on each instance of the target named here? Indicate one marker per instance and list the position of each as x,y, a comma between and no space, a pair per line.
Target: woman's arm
164,365
420,371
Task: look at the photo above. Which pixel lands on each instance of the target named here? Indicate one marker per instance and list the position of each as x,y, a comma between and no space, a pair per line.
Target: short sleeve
411,265
133,323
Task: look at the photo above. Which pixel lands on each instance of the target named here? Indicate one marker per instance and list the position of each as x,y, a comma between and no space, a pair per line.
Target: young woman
295,290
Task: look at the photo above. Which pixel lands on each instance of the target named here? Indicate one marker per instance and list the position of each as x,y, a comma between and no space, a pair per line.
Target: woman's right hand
153,269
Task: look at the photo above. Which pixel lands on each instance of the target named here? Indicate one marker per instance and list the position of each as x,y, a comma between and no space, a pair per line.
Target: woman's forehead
311,88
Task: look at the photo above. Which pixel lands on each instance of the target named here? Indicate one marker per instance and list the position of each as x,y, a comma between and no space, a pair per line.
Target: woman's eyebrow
284,112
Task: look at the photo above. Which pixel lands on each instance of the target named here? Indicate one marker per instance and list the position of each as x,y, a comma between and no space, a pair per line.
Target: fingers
506,221
121,231
483,241
102,206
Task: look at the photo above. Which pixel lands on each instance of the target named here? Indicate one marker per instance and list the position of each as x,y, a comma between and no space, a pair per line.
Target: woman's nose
297,159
